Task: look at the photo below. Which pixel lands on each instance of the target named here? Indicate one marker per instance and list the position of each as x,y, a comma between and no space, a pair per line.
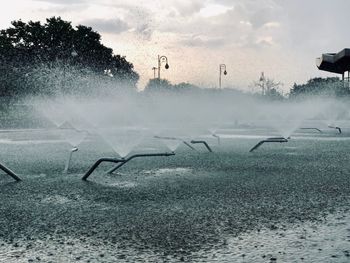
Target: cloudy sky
280,37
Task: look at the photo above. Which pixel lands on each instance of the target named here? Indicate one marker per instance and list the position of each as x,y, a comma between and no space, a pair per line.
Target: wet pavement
282,203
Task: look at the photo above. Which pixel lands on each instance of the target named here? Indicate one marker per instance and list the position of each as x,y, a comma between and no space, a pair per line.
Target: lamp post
160,60
222,68
262,83
154,72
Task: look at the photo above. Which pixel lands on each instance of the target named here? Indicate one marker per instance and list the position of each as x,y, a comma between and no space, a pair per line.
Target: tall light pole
154,72
262,83
160,60
222,68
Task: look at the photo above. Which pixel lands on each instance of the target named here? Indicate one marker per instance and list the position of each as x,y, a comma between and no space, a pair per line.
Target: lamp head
166,66
225,72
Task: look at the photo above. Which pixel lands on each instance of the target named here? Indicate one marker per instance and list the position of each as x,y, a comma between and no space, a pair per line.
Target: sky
281,38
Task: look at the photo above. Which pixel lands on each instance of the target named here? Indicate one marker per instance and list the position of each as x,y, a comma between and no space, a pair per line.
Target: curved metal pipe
137,156
10,173
121,162
274,139
317,129
75,149
203,142
337,128
97,163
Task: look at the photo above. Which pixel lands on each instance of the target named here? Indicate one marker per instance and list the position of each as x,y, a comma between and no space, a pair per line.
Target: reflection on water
328,241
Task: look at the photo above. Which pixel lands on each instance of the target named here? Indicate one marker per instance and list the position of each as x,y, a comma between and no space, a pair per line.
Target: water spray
9,172
274,139
202,142
121,162
337,128
175,139
75,149
218,137
311,128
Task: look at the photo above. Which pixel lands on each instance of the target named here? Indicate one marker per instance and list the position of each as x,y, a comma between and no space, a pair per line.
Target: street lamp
154,72
160,60
262,83
222,68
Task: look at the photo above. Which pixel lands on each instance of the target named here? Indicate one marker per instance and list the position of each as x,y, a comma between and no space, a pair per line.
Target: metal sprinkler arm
121,161
189,145
137,156
275,139
337,128
98,162
9,172
317,129
203,142
75,149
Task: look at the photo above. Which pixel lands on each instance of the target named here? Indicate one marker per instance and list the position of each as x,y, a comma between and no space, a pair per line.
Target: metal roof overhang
336,63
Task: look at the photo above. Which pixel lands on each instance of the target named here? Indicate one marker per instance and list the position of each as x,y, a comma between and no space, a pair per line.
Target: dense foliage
163,85
321,87
32,53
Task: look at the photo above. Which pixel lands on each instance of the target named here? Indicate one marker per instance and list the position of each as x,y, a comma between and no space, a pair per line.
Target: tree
269,87
158,85
25,48
331,86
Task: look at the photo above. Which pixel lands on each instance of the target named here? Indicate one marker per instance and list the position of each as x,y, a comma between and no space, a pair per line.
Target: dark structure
335,62
9,172
204,143
121,162
274,139
316,129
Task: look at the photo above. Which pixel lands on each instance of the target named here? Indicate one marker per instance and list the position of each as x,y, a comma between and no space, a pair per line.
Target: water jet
176,139
74,137
274,139
121,162
75,149
218,137
202,142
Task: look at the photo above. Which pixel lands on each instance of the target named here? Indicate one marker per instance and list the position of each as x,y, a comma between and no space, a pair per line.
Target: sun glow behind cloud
213,10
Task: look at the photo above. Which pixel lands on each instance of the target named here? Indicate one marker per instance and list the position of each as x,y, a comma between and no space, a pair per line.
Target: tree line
56,58
33,55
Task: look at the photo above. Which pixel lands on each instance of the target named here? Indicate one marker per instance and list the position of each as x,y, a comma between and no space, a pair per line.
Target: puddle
309,242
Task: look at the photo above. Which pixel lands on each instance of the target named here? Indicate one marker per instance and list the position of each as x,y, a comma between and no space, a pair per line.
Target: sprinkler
9,172
203,142
218,137
175,139
75,149
275,139
120,162
316,129
337,128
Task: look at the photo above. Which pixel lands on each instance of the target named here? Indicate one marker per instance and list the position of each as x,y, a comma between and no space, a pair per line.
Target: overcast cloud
280,37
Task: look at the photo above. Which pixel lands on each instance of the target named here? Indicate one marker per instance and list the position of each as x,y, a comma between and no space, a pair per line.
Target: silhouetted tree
160,85
55,44
185,86
320,86
269,88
